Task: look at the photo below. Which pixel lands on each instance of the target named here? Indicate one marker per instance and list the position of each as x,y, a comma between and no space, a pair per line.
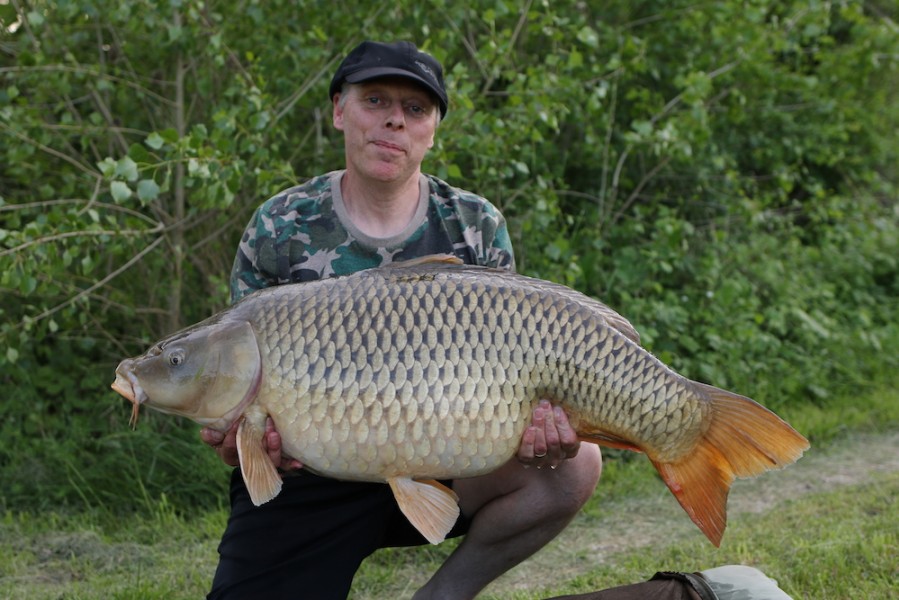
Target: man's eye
373,100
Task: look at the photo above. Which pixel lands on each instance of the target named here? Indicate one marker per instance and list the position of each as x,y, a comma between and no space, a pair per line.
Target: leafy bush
723,176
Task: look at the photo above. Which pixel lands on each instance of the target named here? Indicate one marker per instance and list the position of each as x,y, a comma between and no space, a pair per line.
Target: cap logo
426,69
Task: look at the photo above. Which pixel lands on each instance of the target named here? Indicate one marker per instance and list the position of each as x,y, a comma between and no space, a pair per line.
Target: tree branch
643,181
93,72
51,151
522,20
81,233
134,259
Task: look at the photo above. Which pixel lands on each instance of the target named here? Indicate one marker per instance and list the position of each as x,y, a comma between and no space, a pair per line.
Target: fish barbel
430,370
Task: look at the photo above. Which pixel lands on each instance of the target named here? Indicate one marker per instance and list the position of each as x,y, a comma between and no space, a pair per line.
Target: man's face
388,126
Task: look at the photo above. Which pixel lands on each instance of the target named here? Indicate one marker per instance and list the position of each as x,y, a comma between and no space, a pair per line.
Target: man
309,541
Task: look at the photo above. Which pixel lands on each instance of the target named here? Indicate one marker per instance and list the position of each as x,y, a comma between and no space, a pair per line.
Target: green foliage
723,176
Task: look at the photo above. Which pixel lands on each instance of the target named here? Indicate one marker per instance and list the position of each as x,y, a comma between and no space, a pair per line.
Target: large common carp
430,370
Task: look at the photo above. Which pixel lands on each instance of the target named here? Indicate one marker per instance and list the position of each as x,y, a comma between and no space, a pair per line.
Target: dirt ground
851,461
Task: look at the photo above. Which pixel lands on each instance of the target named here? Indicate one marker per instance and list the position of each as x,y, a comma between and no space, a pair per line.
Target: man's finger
211,437
568,439
526,449
274,446
551,435
539,423
227,449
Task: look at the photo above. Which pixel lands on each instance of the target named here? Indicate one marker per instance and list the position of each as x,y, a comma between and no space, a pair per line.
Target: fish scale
429,370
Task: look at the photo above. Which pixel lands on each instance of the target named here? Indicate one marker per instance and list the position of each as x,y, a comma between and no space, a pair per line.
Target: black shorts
308,541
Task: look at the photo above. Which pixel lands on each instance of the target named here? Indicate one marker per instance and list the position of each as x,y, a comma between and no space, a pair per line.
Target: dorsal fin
446,259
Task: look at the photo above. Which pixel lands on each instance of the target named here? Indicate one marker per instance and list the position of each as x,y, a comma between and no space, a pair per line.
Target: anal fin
429,505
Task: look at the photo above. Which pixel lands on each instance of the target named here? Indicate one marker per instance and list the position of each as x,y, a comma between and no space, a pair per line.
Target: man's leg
515,511
305,543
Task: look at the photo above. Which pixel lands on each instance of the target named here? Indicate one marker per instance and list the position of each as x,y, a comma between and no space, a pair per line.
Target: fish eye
176,358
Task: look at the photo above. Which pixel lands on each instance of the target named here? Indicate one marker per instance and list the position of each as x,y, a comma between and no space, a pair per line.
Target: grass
831,545
839,544
86,556
842,543
838,541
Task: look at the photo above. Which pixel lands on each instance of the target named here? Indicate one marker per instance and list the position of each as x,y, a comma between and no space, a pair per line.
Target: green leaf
120,191
198,169
575,59
87,264
27,284
175,33
8,14
147,190
643,128
170,135
139,153
35,19
127,168
587,35
199,131
107,166
155,141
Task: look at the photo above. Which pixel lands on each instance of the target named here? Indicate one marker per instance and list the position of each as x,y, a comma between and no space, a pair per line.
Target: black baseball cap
370,60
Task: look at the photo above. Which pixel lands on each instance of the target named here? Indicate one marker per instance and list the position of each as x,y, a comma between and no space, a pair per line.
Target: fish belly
431,439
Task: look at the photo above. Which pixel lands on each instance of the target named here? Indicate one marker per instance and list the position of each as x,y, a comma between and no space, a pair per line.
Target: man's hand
549,439
225,445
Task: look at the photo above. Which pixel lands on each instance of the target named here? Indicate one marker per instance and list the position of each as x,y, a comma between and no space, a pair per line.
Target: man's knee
589,468
581,477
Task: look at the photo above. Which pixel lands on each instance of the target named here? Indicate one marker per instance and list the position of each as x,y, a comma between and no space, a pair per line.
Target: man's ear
337,115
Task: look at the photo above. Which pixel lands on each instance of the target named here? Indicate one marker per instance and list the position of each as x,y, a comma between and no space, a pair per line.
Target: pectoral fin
259,474
429,505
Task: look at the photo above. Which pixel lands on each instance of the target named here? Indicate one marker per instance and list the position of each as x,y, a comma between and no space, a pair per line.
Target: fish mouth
127,385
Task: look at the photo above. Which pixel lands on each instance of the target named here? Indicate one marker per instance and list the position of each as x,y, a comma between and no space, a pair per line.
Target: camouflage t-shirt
304,233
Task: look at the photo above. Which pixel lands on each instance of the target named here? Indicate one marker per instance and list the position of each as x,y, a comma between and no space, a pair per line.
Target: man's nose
396,117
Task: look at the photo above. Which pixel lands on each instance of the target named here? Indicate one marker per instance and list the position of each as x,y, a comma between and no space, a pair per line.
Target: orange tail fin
744,439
